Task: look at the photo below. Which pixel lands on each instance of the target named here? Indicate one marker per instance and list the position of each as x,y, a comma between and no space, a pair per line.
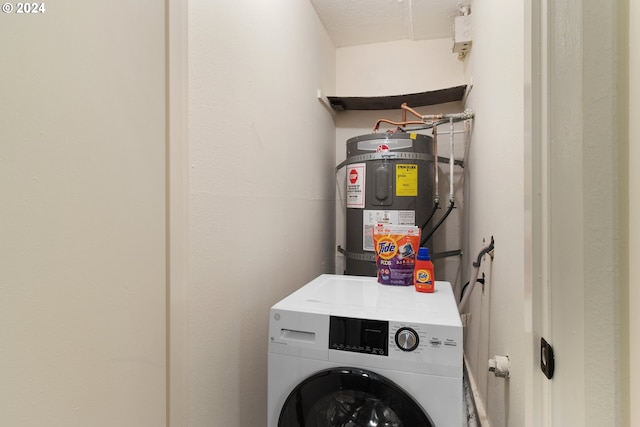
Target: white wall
496,206
82,179
396,68
634,211
261,191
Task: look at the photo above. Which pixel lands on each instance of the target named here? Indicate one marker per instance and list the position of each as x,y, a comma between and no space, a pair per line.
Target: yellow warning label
406,180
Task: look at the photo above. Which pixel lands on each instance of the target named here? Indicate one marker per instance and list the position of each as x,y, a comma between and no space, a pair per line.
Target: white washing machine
346,351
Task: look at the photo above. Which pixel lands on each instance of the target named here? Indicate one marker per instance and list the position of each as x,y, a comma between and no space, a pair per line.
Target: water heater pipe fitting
499,365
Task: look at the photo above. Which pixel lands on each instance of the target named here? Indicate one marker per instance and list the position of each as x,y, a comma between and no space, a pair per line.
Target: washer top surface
365,298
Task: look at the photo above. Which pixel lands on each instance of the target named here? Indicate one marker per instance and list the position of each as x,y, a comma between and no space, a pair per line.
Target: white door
577,112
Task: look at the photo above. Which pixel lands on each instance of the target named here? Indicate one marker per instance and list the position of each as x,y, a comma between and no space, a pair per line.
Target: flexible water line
466,114
436,198
451,196
476,268
465,298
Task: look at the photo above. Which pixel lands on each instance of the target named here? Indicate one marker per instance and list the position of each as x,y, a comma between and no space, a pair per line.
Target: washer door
351,397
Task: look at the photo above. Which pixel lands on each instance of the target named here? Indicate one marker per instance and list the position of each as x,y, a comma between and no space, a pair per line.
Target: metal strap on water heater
411,156
370,256
367,256
381,156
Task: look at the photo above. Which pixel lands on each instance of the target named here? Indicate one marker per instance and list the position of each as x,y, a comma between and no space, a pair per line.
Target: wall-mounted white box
462,34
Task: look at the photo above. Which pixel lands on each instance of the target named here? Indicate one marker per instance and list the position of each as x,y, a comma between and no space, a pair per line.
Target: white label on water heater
355,185
370,218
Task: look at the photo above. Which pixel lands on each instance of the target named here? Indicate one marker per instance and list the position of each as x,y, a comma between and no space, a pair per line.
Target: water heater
390,179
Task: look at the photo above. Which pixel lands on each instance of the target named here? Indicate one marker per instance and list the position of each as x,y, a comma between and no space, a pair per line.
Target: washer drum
389,180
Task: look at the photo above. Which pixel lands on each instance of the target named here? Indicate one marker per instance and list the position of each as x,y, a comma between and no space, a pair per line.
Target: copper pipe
406,108
411,122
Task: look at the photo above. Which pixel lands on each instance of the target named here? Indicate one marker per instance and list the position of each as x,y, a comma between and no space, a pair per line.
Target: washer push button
435,342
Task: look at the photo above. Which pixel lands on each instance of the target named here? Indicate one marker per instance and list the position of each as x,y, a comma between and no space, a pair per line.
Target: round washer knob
407,339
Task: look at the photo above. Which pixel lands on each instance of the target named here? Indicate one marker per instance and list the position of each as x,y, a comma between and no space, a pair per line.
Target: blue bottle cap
423,254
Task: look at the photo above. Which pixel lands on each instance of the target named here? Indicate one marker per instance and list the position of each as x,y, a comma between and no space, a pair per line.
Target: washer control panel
411,347
379,337
359,335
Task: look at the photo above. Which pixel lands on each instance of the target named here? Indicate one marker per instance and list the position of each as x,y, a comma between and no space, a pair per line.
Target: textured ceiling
357,22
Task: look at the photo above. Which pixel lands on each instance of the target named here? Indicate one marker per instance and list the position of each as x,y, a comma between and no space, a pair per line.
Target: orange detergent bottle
423,277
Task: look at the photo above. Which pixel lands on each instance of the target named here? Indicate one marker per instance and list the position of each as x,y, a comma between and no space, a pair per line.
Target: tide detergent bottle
423,275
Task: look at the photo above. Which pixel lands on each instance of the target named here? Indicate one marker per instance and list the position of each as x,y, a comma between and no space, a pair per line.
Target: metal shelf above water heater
393,102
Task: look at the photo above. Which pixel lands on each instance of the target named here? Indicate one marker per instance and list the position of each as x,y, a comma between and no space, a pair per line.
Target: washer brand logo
387,249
